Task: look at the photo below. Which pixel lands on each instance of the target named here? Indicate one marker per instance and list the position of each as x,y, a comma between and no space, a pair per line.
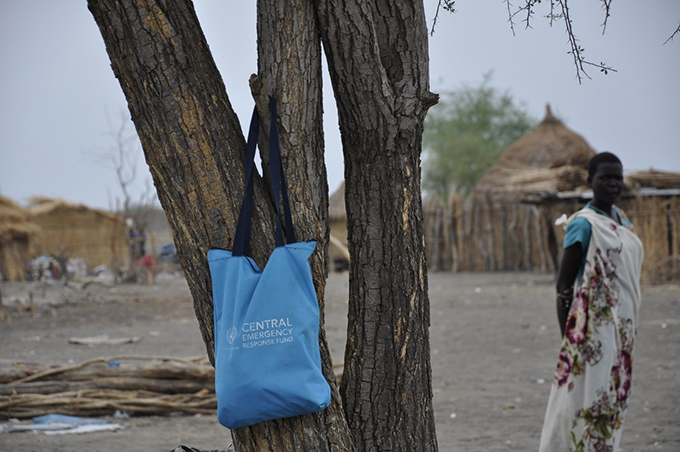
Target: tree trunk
195,149
378,62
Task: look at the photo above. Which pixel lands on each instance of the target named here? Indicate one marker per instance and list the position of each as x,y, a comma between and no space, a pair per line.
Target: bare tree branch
552,16
577,51
122,157
510,16
559,10
606,5
446,5
528,9
677,30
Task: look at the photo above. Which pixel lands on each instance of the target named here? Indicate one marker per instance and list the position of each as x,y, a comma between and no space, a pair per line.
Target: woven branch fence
506,233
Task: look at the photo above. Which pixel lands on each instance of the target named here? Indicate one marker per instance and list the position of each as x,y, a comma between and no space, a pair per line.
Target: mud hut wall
97,238
13,258
338,228
674,225
17,230
674,216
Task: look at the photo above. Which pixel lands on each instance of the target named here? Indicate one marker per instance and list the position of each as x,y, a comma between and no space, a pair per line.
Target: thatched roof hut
16,232
549,159
497,228
336,205
508,221
337,221
97,237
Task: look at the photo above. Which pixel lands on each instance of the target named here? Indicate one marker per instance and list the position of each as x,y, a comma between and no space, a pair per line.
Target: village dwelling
508,222
337,222
17,231
76,231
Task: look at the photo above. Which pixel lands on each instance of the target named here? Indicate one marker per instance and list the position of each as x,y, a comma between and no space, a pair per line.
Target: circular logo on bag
231,335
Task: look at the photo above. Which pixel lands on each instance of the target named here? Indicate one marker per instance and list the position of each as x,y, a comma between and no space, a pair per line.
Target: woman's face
607,182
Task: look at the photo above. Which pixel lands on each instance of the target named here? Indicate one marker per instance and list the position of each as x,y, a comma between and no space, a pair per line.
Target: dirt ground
494,343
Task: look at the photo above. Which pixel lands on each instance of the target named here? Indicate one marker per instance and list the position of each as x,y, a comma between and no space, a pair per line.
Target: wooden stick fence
503,233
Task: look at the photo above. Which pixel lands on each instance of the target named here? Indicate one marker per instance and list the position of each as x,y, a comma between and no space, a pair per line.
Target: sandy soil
494,346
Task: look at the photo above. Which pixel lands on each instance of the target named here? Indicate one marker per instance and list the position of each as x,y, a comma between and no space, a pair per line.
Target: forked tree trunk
194,147
377,53
378,62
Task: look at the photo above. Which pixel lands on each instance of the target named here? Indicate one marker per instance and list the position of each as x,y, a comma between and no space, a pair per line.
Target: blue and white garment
579,231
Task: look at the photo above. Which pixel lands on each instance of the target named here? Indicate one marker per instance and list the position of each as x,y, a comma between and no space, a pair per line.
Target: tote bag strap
279,180
242,236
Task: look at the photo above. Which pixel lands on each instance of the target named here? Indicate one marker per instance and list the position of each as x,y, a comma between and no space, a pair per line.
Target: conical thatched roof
550,158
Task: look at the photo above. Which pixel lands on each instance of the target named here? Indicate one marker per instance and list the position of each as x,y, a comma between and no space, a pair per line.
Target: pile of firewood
103,386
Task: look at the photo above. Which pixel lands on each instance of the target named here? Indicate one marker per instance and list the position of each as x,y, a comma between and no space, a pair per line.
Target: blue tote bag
267,361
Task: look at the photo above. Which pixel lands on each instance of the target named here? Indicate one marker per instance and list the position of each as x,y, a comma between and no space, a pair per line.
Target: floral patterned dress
589,394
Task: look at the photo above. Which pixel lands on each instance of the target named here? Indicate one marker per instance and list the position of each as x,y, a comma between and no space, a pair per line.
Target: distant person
598,300
141,242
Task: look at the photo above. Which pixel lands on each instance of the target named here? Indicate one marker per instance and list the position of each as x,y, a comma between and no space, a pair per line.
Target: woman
598,300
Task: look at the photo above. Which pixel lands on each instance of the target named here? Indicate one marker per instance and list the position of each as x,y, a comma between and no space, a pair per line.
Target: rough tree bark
378,62
194,148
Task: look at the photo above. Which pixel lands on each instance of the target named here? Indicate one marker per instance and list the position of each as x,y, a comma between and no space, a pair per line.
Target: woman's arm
571,262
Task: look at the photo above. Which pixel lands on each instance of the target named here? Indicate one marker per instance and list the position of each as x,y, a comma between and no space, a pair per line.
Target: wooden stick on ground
59,370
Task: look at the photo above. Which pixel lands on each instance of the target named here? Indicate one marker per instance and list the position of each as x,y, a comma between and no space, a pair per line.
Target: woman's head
605,177
602,157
